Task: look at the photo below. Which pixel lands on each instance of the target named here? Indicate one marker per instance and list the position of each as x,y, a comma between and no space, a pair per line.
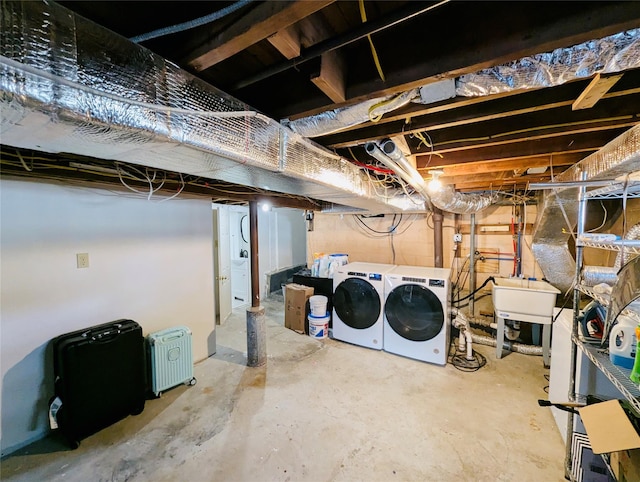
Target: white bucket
318,305
319,326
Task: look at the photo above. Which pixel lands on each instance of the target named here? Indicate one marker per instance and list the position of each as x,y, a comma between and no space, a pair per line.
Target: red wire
373,168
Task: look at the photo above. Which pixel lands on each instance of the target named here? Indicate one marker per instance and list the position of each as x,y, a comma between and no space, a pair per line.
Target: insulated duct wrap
618,158
606,55
624,256
341,118
447,199
508,345
69,85
594,275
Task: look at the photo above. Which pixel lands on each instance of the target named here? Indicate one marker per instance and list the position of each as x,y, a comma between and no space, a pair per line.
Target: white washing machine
416,313
358,291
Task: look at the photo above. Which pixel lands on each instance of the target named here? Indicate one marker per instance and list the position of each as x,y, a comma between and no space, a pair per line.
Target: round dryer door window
357,303
414,312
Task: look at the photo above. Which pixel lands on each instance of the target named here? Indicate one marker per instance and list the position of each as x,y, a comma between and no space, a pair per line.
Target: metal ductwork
558,211
69,85
445,198
343,117
607,55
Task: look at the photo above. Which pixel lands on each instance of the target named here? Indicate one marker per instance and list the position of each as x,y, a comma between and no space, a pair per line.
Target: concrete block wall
412,241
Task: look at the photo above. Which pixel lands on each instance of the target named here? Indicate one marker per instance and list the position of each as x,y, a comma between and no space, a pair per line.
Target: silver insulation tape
606,55
69,85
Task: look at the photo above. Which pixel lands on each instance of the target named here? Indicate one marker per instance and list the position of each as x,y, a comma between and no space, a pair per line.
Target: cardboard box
296,298
610,431
608,427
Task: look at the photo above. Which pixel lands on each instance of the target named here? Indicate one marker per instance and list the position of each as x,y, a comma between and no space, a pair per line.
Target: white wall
282,241
148,261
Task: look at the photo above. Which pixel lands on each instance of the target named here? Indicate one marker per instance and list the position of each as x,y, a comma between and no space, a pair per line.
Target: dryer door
357,303
414,312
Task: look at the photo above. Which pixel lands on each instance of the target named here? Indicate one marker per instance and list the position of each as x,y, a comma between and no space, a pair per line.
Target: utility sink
531,301
524,300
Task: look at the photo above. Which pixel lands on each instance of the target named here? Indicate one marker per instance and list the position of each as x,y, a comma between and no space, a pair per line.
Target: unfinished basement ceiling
265,55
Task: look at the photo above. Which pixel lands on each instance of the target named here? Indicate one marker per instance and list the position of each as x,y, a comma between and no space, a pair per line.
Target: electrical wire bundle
458,358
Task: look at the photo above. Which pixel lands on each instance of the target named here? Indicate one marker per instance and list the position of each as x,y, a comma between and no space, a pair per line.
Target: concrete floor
321,411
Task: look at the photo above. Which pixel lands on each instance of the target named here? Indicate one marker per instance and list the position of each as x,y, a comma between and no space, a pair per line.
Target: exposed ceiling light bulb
435,184
266,207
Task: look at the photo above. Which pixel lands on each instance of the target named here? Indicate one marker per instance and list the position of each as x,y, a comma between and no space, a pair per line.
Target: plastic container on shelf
635,371
623,342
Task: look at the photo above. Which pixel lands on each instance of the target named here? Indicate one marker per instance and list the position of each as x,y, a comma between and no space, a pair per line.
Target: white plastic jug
622,342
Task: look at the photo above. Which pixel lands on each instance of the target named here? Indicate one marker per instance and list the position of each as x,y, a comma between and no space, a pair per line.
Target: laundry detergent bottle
623,342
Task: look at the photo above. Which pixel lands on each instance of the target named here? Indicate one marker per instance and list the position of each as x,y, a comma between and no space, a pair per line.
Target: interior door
223,263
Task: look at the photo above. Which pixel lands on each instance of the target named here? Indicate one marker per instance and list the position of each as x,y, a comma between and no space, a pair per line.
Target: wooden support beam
260,23
599,86
330,79
287,42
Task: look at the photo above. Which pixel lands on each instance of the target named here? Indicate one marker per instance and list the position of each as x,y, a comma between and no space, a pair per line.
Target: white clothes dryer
416,313
358,291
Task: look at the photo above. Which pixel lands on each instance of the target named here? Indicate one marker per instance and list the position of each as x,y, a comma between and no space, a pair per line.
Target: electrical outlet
82,260
457,238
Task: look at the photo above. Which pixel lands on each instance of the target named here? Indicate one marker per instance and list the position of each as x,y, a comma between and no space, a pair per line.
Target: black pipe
334,43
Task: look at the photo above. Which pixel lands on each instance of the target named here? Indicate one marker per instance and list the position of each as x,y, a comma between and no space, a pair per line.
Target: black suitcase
100,377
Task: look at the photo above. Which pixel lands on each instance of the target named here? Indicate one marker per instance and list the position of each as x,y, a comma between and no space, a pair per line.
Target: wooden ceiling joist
585,143
547,32
531,104
260,23
497,165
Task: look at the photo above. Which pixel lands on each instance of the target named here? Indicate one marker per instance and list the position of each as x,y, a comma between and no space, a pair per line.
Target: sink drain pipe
508,345
467,337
